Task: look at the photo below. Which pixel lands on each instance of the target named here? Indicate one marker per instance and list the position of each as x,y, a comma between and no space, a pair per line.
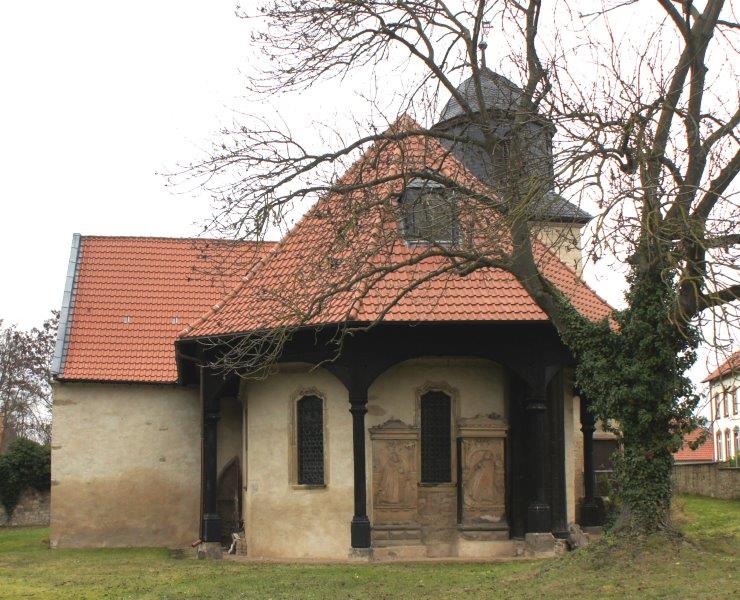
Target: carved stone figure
395,483
480,478
394,490
483,473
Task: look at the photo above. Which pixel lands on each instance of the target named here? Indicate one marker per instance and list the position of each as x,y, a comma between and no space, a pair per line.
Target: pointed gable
345,260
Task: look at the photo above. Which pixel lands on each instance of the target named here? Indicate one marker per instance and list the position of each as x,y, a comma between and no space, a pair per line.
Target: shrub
26,464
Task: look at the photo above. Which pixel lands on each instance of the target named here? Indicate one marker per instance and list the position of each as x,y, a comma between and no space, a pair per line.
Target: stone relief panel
395,473
483,481
483,471
394,464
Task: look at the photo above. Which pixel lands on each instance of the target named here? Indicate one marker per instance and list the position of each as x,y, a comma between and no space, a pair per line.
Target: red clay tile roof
730,365
304,281
133,296
704,453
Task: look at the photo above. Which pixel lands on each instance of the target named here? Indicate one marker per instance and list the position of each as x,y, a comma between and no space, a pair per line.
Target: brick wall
32,509
711,480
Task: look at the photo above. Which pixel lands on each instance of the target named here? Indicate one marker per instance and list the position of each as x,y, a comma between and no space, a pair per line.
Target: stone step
463,549
407,552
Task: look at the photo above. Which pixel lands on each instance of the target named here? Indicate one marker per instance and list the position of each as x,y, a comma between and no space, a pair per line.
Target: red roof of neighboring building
134,294
315,276
730,365
704,453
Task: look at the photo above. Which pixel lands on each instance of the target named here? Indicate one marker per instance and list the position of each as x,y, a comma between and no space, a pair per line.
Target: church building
421,413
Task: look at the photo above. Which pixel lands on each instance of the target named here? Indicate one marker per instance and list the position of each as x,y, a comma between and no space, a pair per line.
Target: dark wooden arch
531,352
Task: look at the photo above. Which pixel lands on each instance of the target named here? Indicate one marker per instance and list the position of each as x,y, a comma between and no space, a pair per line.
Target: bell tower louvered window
310,413
436,438
429,213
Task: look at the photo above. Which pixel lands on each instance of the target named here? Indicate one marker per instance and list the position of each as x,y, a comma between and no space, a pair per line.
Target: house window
436,437
719,446
310,440
725,393
737,440
728,447
716,405
736,401
429,212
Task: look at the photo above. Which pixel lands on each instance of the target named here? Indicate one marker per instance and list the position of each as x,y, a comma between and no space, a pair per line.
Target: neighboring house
446,429
704,453
724,402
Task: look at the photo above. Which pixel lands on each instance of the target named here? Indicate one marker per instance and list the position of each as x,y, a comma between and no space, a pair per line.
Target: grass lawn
705,565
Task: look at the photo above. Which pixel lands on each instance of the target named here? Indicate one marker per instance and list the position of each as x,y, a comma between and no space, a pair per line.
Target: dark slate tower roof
499,93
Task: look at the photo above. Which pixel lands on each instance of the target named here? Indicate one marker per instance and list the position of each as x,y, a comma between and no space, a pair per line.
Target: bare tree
25,382
651,141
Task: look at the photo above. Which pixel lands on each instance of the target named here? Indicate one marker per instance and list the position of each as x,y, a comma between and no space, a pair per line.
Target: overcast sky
96,98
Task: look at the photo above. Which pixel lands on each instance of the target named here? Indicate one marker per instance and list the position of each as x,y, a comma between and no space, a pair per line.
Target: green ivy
633,371
26,464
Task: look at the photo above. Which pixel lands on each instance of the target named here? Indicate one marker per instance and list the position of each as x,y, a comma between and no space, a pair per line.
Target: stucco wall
480,383
573,448
285,520
282,519
564,240
125,465
721,422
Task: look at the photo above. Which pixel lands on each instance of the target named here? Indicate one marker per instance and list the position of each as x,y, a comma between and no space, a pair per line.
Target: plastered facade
126,465
724,407
564,240
573,448
285,520
126,459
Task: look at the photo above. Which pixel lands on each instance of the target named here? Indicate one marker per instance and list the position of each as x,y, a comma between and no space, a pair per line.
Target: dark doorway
230,500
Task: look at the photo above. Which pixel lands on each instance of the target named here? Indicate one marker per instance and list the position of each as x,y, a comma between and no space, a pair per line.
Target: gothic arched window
436,437
310,440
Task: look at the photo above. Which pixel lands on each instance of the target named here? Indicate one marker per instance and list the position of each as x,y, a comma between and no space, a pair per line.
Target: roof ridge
166,238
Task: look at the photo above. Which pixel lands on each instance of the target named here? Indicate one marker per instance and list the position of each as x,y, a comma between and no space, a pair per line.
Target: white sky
95,98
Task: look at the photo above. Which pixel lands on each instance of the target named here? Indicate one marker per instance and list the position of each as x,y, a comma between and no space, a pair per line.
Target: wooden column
592,507
556,420
538,510
210,389
360,528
